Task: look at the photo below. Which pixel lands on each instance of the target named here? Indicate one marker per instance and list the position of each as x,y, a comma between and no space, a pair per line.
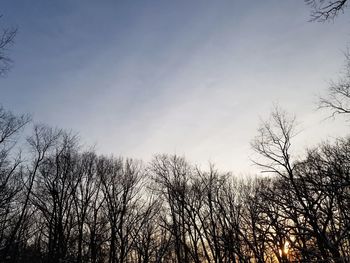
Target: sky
192,78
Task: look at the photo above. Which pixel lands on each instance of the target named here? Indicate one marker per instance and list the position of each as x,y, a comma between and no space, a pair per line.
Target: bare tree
273,143
84,194
172,175
324,176
55,187
306,200
120,182
10,173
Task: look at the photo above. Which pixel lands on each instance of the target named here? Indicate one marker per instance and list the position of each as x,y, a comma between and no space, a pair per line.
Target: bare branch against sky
7,36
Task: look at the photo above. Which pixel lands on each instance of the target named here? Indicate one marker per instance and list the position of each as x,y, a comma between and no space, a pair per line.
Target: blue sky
187,77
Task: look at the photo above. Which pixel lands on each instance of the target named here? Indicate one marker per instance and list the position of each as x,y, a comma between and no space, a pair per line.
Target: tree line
61,203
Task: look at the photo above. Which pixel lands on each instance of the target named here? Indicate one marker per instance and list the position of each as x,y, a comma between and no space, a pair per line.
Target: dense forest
62,202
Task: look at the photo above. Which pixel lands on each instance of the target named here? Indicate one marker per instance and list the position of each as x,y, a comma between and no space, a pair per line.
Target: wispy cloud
191,78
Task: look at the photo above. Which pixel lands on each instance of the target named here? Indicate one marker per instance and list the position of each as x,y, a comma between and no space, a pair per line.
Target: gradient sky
187,77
